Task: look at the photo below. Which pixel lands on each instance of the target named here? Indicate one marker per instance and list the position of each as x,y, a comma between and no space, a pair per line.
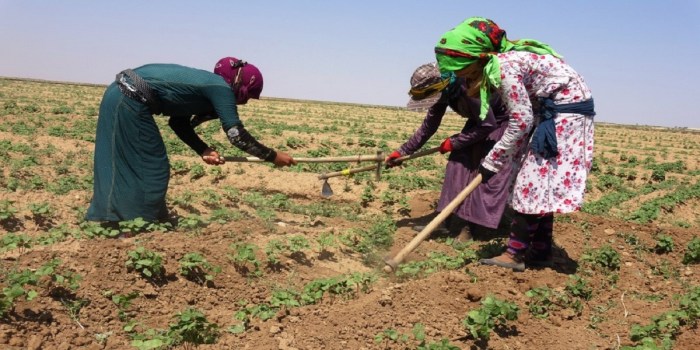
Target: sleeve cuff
271,156
488,166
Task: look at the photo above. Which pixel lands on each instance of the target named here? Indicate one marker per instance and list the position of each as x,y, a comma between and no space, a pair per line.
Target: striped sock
523,229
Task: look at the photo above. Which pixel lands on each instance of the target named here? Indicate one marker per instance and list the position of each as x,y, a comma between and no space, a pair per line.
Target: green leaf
237,329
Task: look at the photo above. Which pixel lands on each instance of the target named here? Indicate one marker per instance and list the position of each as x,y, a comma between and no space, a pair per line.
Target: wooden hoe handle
359,158
347,172
351,171
419,154
393,263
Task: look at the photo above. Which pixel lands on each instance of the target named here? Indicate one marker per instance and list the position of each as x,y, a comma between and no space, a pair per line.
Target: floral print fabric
554,185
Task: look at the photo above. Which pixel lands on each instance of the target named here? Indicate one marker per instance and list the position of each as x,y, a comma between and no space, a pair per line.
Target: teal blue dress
131,168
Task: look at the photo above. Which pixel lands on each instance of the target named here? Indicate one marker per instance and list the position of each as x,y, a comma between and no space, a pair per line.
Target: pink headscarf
250,80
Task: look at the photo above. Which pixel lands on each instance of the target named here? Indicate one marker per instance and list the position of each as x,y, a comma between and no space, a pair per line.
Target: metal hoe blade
326,190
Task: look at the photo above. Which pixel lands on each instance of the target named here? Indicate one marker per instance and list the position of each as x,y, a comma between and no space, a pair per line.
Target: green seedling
217,174
367,195
123,303
326,240
197,269
15,241
192,327
245,260
224,215
42,212
245,314
540,304
20,284
605,257
7,211
284,298
146,262
692,252
298,244
197,171
666,326
664,244
273,249
578,287
416,339
493,313
193,222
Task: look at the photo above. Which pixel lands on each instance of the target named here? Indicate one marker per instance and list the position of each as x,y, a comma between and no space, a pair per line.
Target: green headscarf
479,38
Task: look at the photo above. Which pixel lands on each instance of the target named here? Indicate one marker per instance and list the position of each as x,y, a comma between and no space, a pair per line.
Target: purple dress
485,205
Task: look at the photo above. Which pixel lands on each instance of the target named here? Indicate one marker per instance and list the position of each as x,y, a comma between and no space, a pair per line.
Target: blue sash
544,140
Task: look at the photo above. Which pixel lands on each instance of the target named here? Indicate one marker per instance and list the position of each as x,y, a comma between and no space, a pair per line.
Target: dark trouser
531,231
131,166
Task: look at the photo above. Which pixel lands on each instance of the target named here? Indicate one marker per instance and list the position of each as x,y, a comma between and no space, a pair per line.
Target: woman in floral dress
549,135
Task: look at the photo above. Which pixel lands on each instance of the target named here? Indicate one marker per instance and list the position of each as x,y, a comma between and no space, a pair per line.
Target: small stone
474,294
275,329
385,300
609,231
282,224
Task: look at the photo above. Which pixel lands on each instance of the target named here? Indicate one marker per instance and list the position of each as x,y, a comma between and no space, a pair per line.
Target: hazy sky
638,56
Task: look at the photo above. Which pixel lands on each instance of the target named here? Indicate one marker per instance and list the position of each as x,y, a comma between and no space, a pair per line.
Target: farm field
255,258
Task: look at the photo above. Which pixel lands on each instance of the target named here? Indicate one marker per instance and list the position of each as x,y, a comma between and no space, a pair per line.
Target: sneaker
505,260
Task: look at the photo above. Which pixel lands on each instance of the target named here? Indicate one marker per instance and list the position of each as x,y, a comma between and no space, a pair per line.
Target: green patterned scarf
479,38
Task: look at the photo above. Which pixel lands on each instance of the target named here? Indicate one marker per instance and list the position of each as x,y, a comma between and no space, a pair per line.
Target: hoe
327,191
393,263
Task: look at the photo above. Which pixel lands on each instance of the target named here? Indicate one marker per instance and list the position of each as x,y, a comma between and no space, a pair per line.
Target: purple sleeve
476,129
426,130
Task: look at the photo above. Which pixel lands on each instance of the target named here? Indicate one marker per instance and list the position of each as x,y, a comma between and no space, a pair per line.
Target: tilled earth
439,301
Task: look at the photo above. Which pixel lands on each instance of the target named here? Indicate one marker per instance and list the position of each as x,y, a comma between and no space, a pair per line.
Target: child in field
485,206
539,91
131,166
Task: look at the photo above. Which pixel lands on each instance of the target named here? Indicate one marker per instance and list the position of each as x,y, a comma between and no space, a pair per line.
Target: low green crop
146,262
692,252
493,313
605,257
664,244
245,259
197,269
